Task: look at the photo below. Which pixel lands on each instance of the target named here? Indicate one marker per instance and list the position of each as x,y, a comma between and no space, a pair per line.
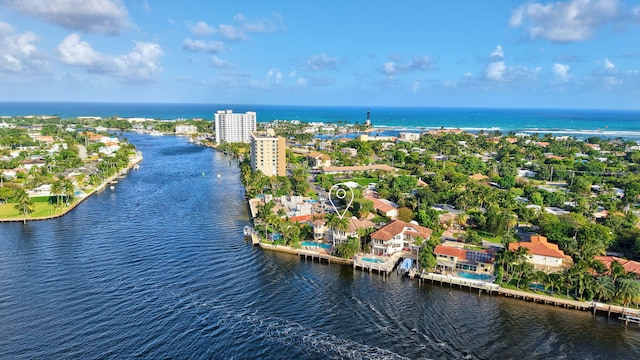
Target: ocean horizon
572,122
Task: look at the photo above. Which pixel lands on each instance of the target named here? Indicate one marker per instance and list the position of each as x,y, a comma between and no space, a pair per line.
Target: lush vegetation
58,167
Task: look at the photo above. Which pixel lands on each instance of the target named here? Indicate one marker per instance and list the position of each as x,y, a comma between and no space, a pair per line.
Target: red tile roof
461,254
630,266
301,218
400,227
540,246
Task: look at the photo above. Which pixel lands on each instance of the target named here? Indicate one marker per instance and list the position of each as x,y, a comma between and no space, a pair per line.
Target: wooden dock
630,319
460,283
546,299
625,314
382,268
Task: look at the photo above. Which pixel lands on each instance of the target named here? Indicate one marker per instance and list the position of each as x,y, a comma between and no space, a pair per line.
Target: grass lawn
490,238
42,209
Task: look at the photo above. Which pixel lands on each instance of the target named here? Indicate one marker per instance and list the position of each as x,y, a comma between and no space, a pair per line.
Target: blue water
158,268
372,260
321,245
581,123
473,276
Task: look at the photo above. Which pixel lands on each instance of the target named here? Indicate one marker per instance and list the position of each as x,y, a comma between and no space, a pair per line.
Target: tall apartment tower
268,153
233,128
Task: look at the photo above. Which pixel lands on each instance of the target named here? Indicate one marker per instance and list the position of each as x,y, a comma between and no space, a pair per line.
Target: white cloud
199,45
231,33
609,65
237,31
141,63
201,28
561,71
417,63
321,62
301,81
569,21
74,51
497,52
97,16
219,63
497,70
272,79
18,51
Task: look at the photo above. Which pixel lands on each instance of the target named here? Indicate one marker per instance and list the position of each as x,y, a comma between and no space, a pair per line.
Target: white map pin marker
339,191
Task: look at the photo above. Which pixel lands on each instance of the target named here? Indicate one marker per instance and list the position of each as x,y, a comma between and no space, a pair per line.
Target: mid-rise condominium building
268,153
232,128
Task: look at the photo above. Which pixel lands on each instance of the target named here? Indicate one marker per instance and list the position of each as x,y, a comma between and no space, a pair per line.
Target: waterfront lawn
41,209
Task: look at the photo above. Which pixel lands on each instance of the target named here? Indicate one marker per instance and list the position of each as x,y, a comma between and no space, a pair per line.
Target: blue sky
499,53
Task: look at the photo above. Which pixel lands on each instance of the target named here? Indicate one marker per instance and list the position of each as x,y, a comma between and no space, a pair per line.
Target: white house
397,236
340,236
542,254
186,129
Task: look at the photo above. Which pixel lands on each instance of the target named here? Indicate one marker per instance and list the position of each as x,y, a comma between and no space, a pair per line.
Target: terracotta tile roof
382,234
355,224
540,246
398,227
301,218
629,266
461,254
45,138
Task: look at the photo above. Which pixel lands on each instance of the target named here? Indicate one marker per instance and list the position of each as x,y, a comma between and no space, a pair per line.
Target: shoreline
463,284
135,161
529,296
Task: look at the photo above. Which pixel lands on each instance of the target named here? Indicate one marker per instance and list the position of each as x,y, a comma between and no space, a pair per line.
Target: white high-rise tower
232,128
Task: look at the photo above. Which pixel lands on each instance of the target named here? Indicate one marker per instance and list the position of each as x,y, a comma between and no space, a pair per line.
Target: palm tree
57,189
604,288
461,220
24,204
617,270
337,222
629,291
68,190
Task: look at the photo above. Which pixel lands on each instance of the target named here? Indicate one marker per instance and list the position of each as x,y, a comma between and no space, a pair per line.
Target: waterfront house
629,266
456,258
397,236
542,254
339,236
320,229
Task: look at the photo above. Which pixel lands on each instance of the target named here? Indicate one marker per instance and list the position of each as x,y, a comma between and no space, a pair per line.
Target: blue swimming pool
377,261
473,276
315,244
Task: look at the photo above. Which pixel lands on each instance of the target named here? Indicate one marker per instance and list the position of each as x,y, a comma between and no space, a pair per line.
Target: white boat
112,187
248,231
